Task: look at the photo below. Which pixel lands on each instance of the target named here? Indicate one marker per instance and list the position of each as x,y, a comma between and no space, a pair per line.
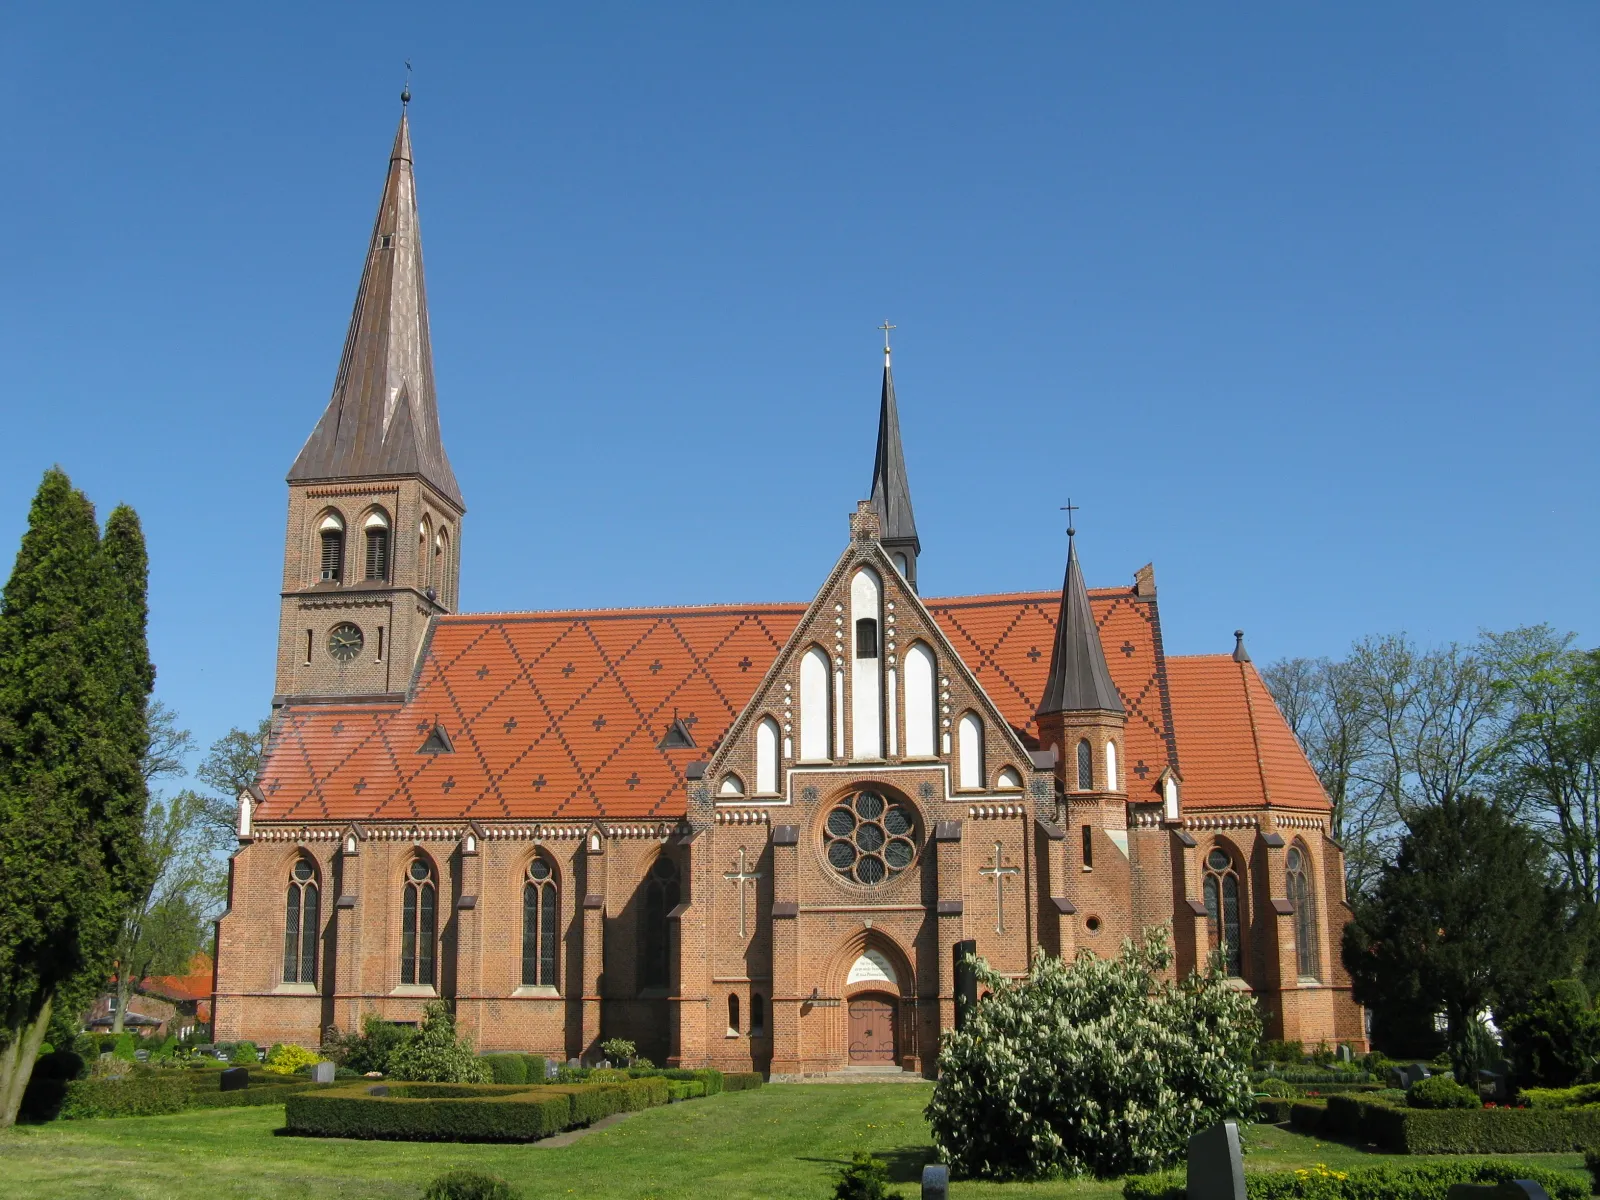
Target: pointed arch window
301,922
661,895
733,1015
540,906
1111,766
441,566
816,706
331,534
376,530
921,712
1307,951
970,751
1085,766
767,757
419,924
1222,909
424,557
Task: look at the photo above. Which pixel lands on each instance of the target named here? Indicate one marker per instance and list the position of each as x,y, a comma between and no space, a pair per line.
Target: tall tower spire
891,490
1079,681
383,418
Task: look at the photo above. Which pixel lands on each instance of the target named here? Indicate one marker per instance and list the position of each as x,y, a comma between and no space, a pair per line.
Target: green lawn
784,1141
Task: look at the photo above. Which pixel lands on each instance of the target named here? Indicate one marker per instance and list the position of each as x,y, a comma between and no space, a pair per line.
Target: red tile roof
1238,751
558,715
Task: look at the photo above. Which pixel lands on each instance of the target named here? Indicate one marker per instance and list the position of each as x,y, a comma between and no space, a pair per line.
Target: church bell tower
373,545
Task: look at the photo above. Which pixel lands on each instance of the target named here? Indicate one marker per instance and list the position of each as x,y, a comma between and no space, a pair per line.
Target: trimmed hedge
1572,1097
149,1095
1482,1130
536,1067
742,1081
508,1068
1273,1110
685,1089
417,1112
1308,1115
1418,1181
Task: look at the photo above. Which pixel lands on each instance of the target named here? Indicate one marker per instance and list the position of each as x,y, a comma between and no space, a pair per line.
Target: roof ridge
1255,732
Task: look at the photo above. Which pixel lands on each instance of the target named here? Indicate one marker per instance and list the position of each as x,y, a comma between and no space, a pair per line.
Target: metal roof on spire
891,490
383,418
1079,679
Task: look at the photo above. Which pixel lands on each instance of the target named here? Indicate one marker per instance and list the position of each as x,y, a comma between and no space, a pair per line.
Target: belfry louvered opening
377,531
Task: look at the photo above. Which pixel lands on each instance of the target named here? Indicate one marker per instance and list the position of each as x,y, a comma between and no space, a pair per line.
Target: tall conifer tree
74,684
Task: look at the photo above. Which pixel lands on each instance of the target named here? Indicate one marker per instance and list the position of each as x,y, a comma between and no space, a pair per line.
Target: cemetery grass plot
780,1141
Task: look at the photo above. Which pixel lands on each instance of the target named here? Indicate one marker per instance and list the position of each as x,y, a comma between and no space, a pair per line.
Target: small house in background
160,1005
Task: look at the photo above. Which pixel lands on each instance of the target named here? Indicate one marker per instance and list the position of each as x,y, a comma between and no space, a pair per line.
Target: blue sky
1298,301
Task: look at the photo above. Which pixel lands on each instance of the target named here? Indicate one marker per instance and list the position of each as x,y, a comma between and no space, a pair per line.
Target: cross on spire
1069,508
405,92
998,873
886,327
741,877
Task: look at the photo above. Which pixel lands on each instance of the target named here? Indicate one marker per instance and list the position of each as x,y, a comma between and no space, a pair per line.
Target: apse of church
750,836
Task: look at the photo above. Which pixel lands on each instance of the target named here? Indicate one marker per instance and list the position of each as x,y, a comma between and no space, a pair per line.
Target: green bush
124,1046
536,1067
866,1178
469,1185
1276,1087
1481,1130
709,1076
1416,1181
243,1054
742,1081
612,1075
370,1049
1554,1042
486,1113
1273,1110
509,1068
1591,1159
1308,1116
1572,1097
47,1086
1315,1075
1441,1091
285,1058
1101,1066
146,1095
434,1055
619,1050
685,1089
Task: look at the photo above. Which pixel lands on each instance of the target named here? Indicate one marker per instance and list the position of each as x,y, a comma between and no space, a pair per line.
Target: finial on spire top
405,92
886,327
1069,508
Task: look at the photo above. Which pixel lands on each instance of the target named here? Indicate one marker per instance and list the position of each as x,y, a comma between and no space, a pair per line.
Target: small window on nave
419,925
540,936
301,924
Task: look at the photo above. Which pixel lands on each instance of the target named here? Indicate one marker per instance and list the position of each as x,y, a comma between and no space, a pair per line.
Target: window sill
653,993
420,990
541,991
295,989
1309,981
732,1033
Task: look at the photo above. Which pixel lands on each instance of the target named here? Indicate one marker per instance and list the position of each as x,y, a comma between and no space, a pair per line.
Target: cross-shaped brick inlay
632,781
1035,654
600,722
538,784
1128,649
448,784
338,728
422,727
1142,769
569,669
360,786
656,666
511,723
690,720
272,788
483,671
745,664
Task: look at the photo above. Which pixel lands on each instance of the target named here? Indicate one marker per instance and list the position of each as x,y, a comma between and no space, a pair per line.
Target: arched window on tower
921,712
1111,766
767,757
376,529
1085,766
441,567
419,924
970,751
661,896
1222,909
733,1015
1301,894
540,939
331,534
301,922
816,707
424,555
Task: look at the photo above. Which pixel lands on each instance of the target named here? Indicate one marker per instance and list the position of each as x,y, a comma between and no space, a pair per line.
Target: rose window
868,837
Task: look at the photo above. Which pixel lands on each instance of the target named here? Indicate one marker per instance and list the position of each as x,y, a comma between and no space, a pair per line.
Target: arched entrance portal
874,1017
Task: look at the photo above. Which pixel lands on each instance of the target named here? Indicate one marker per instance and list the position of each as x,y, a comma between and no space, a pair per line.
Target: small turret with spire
891,490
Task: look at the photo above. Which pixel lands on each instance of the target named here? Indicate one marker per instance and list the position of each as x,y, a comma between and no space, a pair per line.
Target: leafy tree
1555,1041
1095,1067
231,765
433,1055
1464,920
75,679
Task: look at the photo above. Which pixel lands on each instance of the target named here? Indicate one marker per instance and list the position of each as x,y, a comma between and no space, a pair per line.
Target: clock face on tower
344,641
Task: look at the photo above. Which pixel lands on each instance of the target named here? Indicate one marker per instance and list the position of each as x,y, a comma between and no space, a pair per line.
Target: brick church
748,835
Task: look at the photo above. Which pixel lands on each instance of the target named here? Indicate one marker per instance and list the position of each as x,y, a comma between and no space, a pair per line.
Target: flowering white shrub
1096,1067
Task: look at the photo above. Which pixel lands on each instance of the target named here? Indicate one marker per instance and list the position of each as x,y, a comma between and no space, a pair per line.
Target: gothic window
1085,766
970,751
441,566
1088,847
661,895
1298,863
767,757
1111,766
758,1015
540,905
920,708
732,785
331,533
816,706
1222,909
377,534
419,924
868,838
1008,779
424,559
867,638
302,919
733,1015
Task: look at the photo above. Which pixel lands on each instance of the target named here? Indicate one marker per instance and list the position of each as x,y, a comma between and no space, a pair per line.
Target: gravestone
574,1063
550,1068
1216,1164
381,1089
1495,1084
935,1182
1511,1189
1345,1056
141,1056
236,1079
1396,1077
205,1048
1415,1073
323,1072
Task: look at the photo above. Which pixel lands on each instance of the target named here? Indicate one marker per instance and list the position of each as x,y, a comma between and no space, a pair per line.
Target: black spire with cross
891,490
1079,679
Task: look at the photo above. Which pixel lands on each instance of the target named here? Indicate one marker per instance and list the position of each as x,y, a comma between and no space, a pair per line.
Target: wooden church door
872,1022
